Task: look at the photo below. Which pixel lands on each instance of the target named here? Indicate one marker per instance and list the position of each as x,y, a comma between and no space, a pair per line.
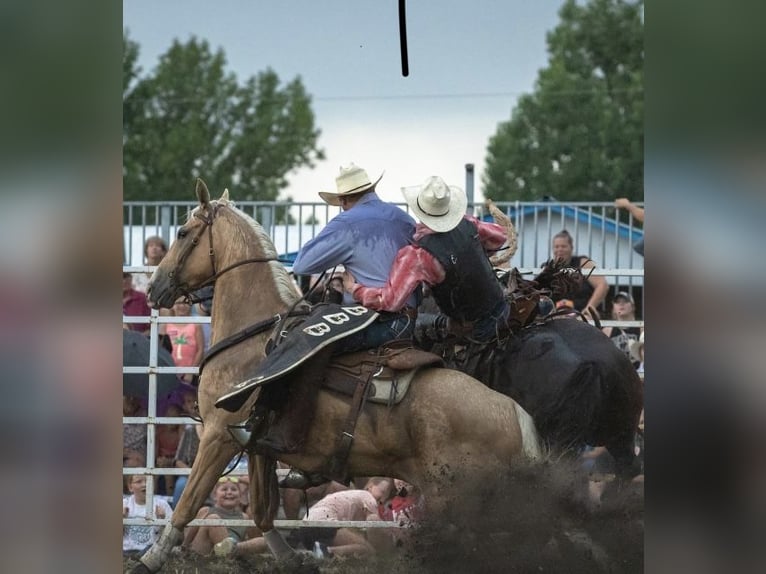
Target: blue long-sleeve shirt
365,240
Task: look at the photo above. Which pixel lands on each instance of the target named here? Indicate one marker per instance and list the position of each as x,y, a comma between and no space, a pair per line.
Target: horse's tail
571,420
530,440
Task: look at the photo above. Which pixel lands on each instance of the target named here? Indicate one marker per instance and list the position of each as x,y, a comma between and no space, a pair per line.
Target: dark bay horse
448,427
578,386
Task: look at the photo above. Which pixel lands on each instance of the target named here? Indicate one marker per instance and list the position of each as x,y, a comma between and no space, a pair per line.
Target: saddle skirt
326,324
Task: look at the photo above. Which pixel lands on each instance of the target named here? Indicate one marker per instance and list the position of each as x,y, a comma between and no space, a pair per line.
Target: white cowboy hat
438,205
352,179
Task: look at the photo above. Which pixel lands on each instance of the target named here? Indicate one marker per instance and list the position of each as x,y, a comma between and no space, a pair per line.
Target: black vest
470,289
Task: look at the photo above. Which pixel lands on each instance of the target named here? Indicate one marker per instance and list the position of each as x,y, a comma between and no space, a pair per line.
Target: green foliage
190,118
579,135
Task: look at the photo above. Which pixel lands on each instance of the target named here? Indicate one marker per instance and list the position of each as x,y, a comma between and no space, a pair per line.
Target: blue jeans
486,328
178,488
389,327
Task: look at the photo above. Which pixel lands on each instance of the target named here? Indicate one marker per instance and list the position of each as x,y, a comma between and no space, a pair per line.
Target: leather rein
247,332
207,220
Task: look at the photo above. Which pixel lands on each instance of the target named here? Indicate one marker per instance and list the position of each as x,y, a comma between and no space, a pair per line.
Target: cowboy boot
288,433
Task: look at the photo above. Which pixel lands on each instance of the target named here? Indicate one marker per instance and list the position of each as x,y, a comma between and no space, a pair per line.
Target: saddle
387,372
378,375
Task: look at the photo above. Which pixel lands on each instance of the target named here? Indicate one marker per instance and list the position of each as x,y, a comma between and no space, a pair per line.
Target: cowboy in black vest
448,253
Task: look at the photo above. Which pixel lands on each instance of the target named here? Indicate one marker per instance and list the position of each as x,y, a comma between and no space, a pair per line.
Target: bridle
207,219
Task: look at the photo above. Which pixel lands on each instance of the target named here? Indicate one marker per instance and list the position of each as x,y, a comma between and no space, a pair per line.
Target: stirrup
240,433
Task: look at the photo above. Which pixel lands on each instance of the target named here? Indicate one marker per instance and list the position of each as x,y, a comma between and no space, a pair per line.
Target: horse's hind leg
216,449
621,448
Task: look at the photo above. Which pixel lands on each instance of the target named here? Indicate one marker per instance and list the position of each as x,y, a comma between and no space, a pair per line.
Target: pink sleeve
491,235
412,266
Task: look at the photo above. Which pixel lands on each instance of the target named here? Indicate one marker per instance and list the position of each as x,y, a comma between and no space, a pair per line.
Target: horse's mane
253,232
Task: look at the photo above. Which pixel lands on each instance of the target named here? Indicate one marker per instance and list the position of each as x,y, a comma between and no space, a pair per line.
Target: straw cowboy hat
351,180
438,205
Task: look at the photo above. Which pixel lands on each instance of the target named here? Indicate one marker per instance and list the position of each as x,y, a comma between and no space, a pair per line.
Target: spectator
405,508
167,439
638,215
226,505
202,308
637,352
188,445
295,501
593,290
449,254
134,304
407,503
187,339
356,505
636,211
137,538
133,435
364,238
623,309
154,251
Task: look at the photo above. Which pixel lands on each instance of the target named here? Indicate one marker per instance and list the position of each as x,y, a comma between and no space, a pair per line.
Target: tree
190,118
579,135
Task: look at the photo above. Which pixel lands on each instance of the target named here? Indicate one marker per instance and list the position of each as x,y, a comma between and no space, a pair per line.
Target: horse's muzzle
162,291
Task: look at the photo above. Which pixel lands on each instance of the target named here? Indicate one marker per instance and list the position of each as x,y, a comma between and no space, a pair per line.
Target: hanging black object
403,38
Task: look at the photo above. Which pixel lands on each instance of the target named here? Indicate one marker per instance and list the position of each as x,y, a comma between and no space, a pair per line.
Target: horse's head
190,262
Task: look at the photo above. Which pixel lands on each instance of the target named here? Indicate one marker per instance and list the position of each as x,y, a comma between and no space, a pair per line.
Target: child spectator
133,435
168,437
357,505
226,505
137,538
405,508
188,443
187,339
623,309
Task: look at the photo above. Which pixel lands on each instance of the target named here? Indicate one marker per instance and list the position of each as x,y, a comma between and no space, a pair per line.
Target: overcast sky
469,60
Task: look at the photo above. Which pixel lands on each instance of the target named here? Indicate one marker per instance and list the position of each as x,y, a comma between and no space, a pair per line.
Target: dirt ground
532,520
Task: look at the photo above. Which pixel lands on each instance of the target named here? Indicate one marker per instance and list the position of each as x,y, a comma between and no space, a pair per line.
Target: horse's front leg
216,449
264,500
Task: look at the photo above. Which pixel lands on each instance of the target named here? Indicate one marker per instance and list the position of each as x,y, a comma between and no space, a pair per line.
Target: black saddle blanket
326,324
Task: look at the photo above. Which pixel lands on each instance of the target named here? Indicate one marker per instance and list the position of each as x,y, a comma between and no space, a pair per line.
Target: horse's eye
182,233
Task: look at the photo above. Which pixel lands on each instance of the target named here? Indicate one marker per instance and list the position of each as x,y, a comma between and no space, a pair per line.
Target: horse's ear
202,192
225,194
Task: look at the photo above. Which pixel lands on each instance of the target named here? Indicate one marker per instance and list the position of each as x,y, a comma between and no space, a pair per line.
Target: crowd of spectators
176,444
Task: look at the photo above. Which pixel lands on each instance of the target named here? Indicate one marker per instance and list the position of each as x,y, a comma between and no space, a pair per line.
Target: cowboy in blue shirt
364,238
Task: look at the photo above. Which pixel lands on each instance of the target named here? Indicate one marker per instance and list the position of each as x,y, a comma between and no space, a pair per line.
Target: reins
246,333
207,220
250,331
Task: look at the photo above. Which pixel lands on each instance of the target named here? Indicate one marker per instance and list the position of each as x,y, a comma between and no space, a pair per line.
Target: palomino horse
448,426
